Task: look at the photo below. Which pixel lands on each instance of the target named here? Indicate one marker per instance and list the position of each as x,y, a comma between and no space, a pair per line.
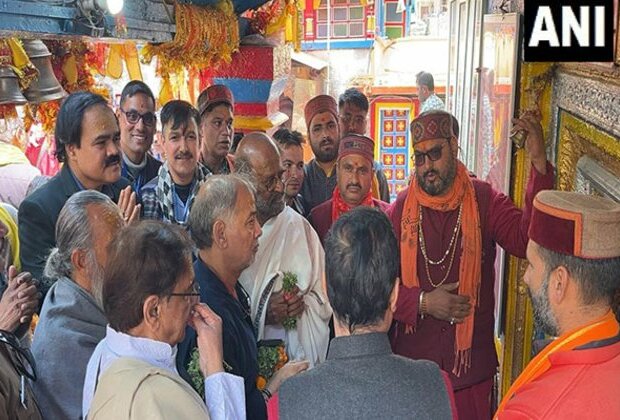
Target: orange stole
460,193
601,329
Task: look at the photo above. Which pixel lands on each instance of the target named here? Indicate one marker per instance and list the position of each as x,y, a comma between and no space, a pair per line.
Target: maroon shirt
501,223
321,216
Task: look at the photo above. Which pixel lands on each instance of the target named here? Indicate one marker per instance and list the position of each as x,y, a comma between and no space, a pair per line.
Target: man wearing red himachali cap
572,275
354,181
216,106
449,224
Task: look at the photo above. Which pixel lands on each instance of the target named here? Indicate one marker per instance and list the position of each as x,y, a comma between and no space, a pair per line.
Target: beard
544,319
269,207
442,182
325,155
96,275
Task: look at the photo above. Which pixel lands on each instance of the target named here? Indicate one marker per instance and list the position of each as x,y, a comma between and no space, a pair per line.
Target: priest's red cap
214,94
354,144
434,124
318,104
576,224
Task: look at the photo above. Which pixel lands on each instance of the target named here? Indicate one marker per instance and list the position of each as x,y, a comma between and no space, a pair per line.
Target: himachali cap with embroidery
318,104
576,224
213,94
434,124
354,144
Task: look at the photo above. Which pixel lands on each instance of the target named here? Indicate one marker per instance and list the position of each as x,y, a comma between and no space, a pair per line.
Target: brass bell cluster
43,88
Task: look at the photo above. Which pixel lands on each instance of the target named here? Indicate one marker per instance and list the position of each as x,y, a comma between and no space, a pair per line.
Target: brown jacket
10,404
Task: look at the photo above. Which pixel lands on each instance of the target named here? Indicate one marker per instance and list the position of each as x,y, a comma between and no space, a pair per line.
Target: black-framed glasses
433,155
195,291
148,118
22,357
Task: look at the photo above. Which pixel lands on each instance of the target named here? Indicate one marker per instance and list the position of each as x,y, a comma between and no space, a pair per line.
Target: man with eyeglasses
352,119
170,195
138,123
224,226
449,224
355,175
288,244
216,108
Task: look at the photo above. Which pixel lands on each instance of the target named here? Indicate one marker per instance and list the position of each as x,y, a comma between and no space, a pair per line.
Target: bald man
288,244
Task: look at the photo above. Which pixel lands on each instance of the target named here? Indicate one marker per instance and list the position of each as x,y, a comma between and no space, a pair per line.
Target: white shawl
289,243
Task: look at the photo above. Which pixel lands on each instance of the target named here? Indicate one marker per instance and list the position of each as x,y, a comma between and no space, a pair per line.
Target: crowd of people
146,273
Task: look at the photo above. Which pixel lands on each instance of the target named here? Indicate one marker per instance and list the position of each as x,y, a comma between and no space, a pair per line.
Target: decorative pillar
256,76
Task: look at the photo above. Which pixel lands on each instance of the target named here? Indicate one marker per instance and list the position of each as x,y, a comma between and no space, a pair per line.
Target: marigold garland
7,111
204,36
29,118
74,63
46,114
274,16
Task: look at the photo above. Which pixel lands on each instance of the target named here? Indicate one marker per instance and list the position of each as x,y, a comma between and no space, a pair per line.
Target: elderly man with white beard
72,321
288,244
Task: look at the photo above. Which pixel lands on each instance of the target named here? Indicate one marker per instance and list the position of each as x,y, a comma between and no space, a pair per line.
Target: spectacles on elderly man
194,291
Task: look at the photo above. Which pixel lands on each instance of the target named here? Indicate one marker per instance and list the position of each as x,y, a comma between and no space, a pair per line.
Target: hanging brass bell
9,88
46,87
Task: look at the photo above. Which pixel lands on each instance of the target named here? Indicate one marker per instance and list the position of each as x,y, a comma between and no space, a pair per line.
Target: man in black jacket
87,142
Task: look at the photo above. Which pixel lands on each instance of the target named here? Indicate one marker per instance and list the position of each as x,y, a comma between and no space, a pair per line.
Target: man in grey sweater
362,378
72,321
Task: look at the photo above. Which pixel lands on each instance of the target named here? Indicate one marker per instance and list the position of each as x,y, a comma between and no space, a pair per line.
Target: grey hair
215,200
597,278
73,231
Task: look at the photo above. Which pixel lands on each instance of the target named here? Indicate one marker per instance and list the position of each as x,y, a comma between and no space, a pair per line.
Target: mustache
431,171
112,160
354,185
327,140
291,179
185,155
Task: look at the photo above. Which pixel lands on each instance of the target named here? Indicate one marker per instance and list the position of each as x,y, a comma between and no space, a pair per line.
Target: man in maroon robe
445,309
354,181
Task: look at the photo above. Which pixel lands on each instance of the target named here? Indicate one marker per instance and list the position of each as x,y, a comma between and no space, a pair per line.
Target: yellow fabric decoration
165,93
204,37
69,69
114,69
11,236
23,68
130,53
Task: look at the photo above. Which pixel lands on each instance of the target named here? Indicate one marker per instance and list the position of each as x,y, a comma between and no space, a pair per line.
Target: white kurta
289,243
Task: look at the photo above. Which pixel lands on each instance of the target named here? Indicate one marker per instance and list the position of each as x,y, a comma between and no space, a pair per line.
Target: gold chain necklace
451,250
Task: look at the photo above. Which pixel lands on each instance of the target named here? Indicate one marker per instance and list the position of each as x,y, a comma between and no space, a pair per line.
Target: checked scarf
165,191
